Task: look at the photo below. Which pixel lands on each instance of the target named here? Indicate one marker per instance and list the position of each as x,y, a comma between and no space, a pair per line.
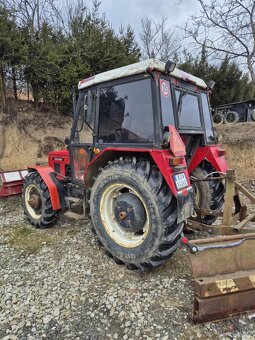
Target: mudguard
160,157
56,189
213,154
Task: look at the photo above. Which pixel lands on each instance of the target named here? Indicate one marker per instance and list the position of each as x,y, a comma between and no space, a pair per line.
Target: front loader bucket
224,276
11,182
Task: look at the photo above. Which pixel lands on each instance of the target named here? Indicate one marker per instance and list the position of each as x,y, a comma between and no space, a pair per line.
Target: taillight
175,161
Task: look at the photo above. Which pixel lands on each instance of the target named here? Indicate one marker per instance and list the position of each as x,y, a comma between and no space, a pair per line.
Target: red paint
164,87
184,240
60,157
83,81
160,157
176,144
185,192
212,154
45,174
10,188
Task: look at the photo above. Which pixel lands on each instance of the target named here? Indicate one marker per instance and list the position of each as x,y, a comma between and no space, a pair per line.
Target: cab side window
126,113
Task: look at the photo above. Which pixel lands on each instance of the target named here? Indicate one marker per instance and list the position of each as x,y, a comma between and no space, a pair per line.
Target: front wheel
36,201
134,214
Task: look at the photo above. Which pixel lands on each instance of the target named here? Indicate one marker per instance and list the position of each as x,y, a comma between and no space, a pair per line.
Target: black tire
253,115
218,119
162,232
208,194
41,214
231,117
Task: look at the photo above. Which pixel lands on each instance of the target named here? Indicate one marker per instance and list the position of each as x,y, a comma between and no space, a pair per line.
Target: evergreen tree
231,84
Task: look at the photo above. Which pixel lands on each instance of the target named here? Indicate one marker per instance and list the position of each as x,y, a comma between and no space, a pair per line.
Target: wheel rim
33,201
120,235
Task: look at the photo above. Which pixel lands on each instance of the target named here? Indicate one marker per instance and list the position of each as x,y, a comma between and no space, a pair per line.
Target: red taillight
176,144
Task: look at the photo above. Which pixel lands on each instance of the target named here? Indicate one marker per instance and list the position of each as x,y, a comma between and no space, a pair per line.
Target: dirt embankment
239,142
28,135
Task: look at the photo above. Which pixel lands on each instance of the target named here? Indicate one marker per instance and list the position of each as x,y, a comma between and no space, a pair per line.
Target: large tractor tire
207,194
36,202
134,214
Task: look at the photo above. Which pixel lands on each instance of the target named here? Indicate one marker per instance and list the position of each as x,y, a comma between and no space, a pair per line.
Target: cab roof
138,68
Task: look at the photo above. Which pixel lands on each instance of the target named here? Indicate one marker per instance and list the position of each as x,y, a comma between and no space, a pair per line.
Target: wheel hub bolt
122,215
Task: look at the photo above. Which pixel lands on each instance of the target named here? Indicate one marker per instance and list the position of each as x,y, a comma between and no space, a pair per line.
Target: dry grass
31,241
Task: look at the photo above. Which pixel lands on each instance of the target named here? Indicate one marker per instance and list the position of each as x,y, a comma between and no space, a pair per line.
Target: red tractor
152,135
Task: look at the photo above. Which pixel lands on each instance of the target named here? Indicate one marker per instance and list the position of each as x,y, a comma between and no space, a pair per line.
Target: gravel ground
59,284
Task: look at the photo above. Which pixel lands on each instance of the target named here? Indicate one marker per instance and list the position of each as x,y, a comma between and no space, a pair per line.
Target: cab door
81,140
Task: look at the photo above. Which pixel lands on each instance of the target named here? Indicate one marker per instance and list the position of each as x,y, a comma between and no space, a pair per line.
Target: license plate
180,181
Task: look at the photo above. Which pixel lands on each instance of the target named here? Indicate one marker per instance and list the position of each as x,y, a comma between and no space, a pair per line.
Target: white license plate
180,181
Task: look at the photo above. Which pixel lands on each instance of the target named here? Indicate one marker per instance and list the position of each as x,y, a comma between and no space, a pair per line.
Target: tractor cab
134,106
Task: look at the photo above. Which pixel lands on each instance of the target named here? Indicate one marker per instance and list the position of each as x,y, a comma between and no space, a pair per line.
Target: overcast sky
132,11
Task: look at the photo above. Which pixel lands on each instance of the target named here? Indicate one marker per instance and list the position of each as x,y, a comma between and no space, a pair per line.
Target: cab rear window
187,110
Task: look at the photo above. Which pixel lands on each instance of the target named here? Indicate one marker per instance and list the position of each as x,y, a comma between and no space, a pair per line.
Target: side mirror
88,108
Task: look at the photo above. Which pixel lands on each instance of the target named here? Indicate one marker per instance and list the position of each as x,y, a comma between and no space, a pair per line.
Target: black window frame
181,128
156,123
206,139
172,95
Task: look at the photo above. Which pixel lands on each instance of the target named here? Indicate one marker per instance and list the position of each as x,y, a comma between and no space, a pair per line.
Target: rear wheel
134,214
207,194
36,202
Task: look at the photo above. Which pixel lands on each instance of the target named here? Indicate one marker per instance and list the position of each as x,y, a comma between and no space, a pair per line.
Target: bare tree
158,40
226,27
32,14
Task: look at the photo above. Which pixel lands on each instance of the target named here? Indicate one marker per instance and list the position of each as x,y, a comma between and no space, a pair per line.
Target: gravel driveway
59,284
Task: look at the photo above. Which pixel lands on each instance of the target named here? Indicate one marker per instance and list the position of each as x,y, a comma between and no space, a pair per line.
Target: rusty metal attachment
224,276
224,267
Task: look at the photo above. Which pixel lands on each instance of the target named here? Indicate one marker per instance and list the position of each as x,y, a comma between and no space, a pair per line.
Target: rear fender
55,187
160,157
213,154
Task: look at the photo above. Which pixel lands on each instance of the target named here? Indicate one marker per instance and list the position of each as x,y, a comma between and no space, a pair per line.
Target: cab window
126,113
188,112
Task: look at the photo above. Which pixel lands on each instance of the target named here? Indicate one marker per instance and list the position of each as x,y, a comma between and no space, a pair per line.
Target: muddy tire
134,214
207,195
36,202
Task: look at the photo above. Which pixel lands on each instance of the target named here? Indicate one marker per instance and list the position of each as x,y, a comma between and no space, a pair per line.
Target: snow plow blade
224,276
11,182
